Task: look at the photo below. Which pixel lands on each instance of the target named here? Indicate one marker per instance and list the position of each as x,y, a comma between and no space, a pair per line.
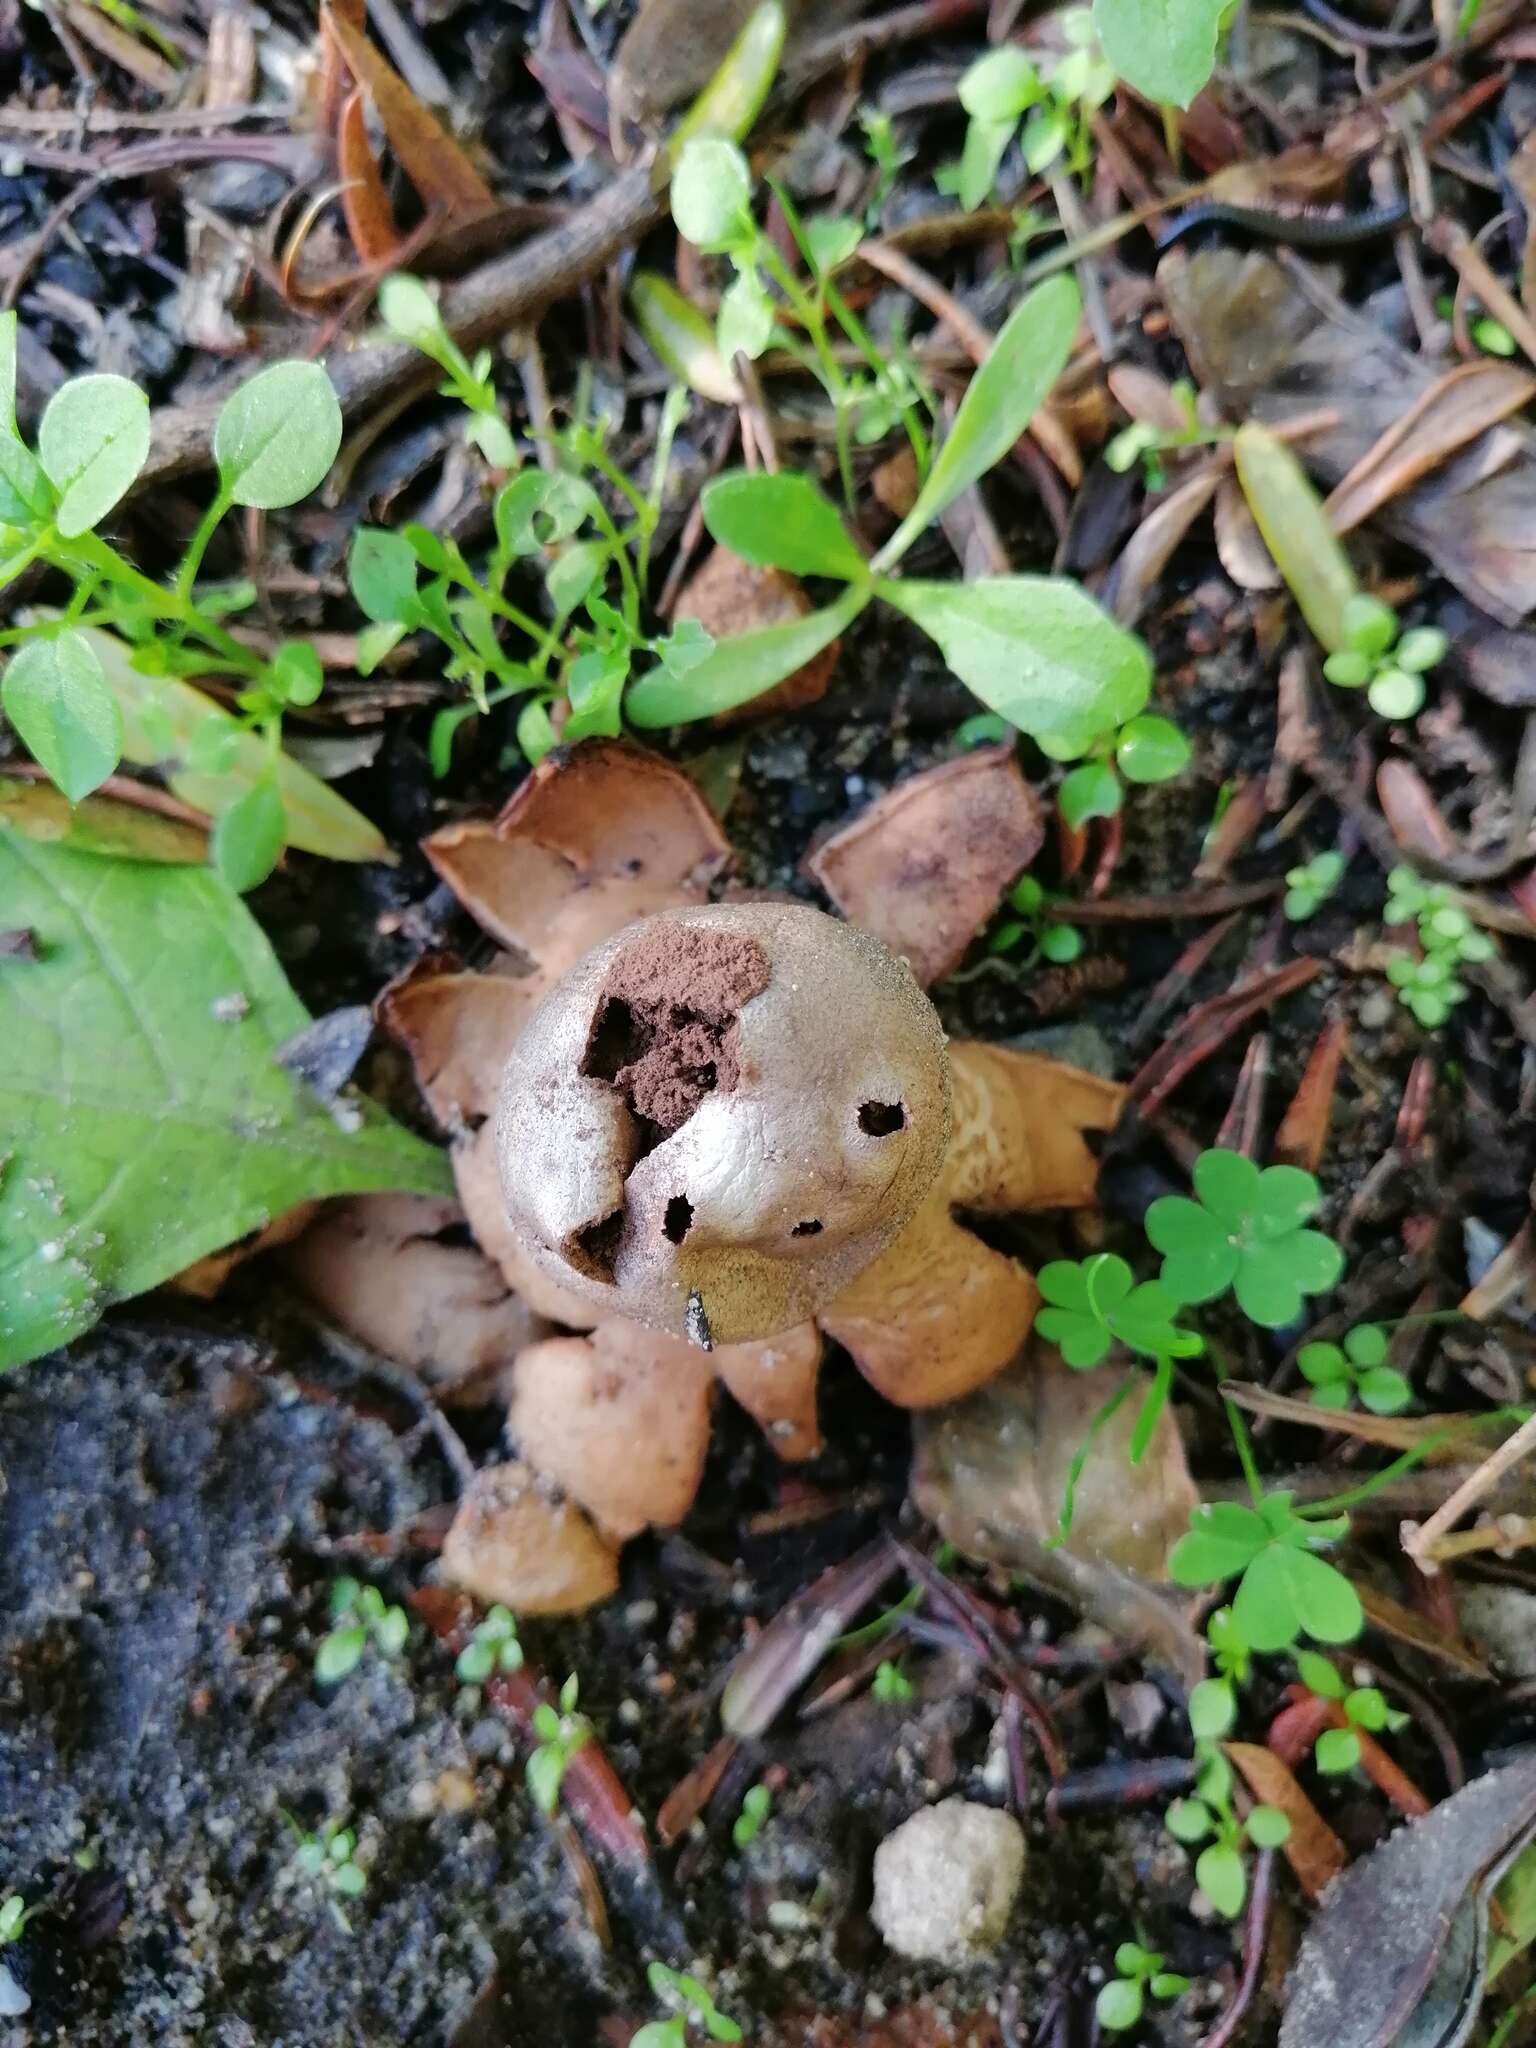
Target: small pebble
946,1881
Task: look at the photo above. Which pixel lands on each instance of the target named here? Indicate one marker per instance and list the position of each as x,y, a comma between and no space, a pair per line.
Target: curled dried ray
926,864
1396,1956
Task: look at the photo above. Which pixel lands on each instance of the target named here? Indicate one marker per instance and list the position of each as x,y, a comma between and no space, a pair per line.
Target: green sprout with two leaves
1308,887
1050,938
1147,443
1005,89
14,1915
493,1648
697,2008
360,1615
1429,985
890,1685
1139,1974
561,1732
1144,750
273,442
755,1809
329,1859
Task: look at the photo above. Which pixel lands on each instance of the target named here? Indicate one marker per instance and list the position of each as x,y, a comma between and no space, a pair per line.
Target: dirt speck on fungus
665,1030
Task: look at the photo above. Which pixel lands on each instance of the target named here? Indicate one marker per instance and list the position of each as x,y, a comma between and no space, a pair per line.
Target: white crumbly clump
946,1881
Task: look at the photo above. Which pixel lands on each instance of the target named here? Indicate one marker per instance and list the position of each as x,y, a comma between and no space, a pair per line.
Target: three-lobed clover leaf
1358,1367
1246,1230
1095,1303
1286,1590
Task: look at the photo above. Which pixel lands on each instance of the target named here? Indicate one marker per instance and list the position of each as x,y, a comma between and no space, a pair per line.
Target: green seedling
887,154
409,311
1308,887
359,1616
329,1859
698,2008
1389,666
1004,89
1365,1706
1285,1589
1491,336
1049,938
1246,1230
1209,1818
755,1808
1147,444
1095,1303
1145,749
1034,649
1356,1370
14,1915
556,523
1429,986
1139,1973
273,442
561,1733
891,1686
492,1648
770,303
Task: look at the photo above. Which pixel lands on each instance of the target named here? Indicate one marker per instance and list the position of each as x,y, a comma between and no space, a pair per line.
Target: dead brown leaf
435,164
1267,335
364,202
1456,409
991,1473
1314,1851
925,866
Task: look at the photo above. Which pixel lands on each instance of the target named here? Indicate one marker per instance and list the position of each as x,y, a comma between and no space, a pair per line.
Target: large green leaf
144,1122
1038,650
735,671
1166,49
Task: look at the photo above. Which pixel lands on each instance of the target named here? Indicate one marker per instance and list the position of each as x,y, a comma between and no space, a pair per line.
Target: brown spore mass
665,1032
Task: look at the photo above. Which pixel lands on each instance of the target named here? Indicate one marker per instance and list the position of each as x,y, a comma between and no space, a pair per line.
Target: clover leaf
1096,1303
1245,1231
1286,1589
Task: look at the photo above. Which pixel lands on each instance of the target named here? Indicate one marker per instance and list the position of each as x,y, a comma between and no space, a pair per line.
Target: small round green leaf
711,192
1268,1827
745,325
1119,2004
277,436
409,310
1151,749
1322,1364
1366,1344
1092,791
297,676
56,695
1220,1875
1424,647
1383,1390
1212,1709
1338,1751
381,568
339,1654
1396,694
1318,1675
1370,626
92,442
1000,86
1061,943
248,837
